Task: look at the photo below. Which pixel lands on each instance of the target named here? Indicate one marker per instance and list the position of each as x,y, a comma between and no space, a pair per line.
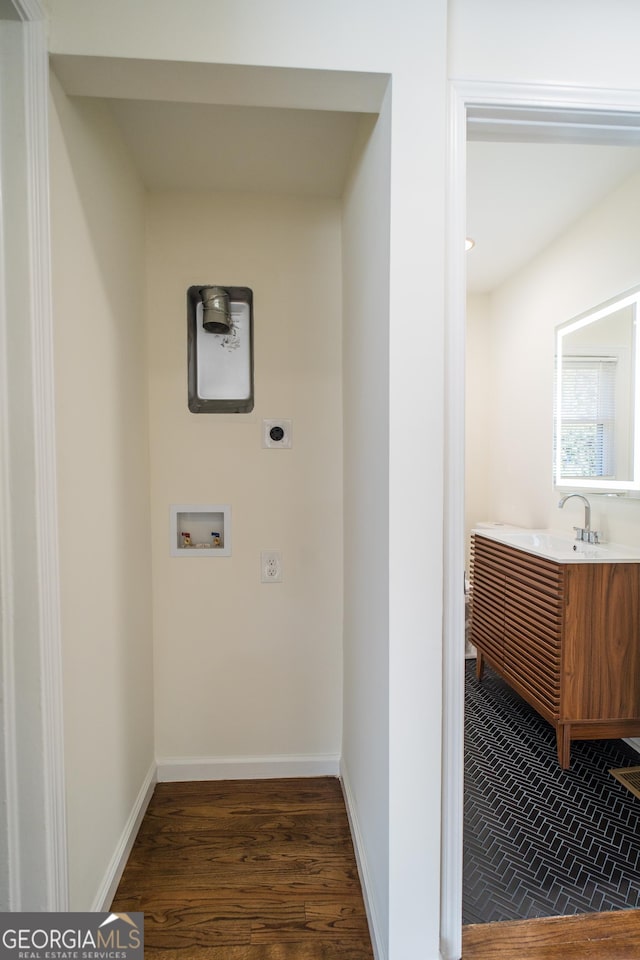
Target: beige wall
592,262
479,353
244,669
103,474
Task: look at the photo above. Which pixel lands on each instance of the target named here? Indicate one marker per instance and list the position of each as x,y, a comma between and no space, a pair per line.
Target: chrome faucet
582,533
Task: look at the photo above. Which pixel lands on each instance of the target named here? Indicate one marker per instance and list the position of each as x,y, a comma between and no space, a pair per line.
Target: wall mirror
596,422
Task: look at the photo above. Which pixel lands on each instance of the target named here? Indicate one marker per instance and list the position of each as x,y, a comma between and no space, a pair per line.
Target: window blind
588,416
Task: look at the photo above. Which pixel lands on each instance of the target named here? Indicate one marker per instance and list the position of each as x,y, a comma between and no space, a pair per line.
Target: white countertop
559,546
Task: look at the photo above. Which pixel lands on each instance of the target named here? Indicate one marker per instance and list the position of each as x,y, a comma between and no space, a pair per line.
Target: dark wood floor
591,936
247,870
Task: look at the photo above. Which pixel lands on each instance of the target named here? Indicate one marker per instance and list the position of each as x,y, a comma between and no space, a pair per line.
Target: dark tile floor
540,841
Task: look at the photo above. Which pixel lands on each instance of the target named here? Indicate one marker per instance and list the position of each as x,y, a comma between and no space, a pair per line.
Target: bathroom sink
560,547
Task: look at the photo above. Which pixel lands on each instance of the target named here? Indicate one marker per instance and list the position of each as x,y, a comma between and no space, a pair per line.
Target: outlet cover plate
271,566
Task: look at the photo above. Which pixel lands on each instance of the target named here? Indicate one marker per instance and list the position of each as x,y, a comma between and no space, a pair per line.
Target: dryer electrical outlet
277,434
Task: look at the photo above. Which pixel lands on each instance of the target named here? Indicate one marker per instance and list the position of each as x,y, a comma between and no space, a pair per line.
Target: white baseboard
175,769
633,742
379,950
109,885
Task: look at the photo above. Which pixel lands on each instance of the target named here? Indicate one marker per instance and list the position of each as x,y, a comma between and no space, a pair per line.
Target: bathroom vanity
560,622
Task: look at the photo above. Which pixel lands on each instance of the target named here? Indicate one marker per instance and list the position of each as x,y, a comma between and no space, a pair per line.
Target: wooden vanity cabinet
565,636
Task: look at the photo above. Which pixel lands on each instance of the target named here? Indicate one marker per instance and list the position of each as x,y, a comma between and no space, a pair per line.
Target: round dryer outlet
276,434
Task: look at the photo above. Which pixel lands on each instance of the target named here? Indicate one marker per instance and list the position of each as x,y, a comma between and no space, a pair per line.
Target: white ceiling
200,146
520,196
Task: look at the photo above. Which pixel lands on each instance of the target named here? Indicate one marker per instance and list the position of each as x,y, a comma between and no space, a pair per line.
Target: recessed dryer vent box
201,531
220,365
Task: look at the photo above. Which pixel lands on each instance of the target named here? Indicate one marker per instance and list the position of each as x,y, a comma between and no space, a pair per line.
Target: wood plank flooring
592,936
247,870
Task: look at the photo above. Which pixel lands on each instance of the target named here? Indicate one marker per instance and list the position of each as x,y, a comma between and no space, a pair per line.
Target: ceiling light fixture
469,243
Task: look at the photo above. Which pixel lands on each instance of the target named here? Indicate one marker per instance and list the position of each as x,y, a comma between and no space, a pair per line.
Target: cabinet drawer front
526,592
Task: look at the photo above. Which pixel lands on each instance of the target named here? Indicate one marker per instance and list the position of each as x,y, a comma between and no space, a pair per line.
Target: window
587,440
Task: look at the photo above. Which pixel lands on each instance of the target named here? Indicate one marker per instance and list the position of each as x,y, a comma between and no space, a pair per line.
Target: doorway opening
521,115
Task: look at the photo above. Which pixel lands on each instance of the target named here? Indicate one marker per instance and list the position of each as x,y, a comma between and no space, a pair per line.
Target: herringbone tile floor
540,841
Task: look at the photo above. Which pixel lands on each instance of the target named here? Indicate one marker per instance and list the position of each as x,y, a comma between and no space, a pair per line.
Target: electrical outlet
271,566
277,434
